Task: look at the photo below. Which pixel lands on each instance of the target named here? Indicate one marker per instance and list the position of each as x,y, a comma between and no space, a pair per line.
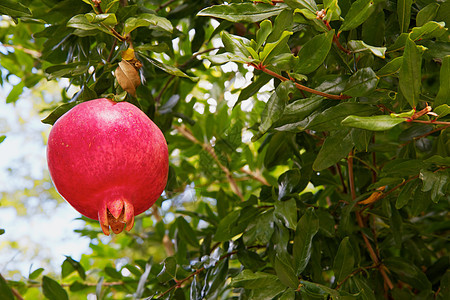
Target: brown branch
299,86
254,175
351,178
210,150
430,122
425,134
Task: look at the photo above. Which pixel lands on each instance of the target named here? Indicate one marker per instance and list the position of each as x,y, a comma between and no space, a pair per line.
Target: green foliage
342,191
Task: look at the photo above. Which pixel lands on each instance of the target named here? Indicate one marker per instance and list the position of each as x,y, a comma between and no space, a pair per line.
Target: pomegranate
109,161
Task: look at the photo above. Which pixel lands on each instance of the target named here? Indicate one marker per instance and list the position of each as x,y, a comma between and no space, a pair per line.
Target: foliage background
274,191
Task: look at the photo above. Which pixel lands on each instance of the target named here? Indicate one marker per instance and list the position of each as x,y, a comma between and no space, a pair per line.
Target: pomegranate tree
109,161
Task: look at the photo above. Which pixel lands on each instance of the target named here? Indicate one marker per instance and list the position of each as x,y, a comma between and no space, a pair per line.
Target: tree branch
210,150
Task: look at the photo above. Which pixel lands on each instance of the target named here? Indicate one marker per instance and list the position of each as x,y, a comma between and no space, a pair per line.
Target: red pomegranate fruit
109,161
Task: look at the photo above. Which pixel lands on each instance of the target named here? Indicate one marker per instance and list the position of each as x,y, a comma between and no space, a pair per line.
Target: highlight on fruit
109,161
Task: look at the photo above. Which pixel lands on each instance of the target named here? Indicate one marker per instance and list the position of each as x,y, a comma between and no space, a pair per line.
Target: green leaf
186,232
82,23
169,270
391,67
53,290
274,107
235,44
373,123
15,93
287,212
429,30
69,265
404,14
313,53
406,193
113,273
443,96
442,110
5,290
426,14
436,182
360,46
271,50
308,4
2,138
253,88
147,20
265,28
2,231
167,68
285,273
249,280
14,9
288,182
307,227
344,260
361,83
396,225
335,148
283,22
331,118
35,274
314,290
259,230
358,13
107,19
67,70
58,112
410,73
408,272
242,12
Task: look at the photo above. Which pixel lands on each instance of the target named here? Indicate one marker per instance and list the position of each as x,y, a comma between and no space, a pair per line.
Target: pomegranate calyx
117,214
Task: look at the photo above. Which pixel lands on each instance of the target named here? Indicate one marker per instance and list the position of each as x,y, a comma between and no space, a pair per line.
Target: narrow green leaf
429,30
14,9
335,148
314,52
406,193
360,46
361,83
249,280
436,182
15,93
186,232
167,68
35,274
147,20
374,123
271,50
426,14
358,13
408,272
307,227
331,118
308,4
275,106
344,260
53,290
391,67
265,28
396,225
285,273
410,73
253,88
58,112
443,96
404,14
317,291
235,44
442,110
242,12
82,23
283,22
2,138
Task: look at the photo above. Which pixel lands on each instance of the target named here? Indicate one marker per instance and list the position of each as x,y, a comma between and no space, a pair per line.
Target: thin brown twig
254,175
425,134
299,86
164,5
210,150
430,122
351,177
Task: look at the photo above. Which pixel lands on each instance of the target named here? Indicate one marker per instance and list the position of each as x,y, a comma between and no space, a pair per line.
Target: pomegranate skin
109,161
